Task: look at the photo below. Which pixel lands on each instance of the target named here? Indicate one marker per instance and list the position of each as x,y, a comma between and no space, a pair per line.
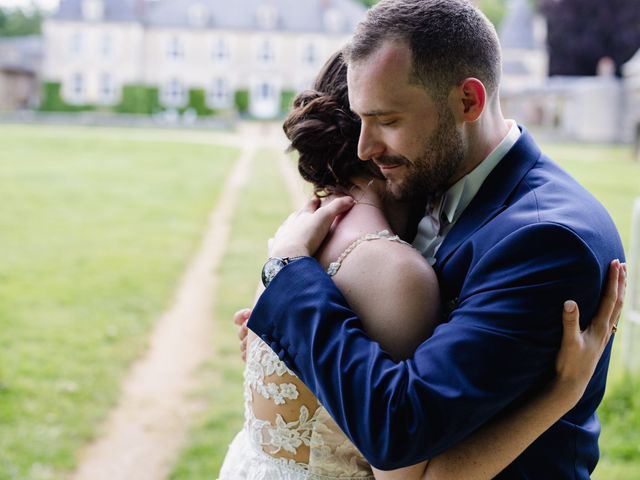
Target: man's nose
369,145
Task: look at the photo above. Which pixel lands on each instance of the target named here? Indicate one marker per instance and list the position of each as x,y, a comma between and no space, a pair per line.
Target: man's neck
481,138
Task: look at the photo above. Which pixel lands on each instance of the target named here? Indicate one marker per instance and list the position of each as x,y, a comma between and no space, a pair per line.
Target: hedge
52,100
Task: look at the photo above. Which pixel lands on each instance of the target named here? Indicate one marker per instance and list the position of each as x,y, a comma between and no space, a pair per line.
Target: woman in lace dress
287,434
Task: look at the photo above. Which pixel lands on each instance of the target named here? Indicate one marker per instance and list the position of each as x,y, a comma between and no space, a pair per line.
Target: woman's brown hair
324,131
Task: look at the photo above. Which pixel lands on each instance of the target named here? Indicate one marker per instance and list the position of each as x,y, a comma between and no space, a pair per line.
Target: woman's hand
580,351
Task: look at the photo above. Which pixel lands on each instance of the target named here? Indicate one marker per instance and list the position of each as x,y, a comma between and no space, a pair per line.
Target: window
221,50
220,93
77,88
107,88
106,44
75,43
174,94
266,52
310,54
266,91
175,49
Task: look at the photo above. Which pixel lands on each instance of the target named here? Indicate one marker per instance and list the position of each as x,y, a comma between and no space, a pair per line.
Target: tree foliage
581,32
15,22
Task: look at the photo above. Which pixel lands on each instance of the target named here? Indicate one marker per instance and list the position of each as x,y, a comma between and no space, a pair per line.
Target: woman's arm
489,450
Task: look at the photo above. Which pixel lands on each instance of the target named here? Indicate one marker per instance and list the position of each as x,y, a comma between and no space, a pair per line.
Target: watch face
270,269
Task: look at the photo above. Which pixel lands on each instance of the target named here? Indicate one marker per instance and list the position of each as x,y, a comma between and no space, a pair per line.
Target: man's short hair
449,40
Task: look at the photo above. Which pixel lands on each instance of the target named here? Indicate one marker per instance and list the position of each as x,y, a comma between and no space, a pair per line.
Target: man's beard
430,175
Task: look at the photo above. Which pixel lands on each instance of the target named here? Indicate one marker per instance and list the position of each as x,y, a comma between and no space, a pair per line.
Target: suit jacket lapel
493,195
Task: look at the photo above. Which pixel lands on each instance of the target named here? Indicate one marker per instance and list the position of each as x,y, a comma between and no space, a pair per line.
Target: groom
510,235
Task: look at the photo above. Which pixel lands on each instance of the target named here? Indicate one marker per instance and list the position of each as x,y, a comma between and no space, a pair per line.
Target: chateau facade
252,52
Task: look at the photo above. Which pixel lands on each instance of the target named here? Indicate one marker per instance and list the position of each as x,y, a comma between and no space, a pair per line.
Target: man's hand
240,318
305,230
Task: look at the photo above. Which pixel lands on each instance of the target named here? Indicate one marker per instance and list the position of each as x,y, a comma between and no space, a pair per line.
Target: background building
20,62
252,55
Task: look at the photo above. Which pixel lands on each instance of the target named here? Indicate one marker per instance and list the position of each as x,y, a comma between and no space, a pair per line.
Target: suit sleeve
498,343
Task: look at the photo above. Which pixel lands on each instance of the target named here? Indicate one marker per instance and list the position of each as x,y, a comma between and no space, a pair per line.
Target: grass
97,226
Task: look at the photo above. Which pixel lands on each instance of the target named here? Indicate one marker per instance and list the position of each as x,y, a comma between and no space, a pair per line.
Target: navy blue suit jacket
531,238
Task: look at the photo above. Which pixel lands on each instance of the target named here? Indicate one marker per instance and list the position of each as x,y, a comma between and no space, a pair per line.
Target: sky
45,4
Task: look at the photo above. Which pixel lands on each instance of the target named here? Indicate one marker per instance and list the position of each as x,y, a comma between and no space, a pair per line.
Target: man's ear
469,99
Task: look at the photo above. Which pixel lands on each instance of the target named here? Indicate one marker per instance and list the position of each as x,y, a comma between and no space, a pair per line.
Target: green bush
52,100
139,99
198,102
241,98
286,100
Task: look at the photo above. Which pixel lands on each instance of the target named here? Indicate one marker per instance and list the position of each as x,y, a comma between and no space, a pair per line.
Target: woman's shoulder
392,289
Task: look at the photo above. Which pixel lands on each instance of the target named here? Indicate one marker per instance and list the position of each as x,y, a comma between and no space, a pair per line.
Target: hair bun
324,131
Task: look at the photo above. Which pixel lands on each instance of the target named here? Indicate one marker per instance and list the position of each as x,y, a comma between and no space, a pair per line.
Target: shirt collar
460,194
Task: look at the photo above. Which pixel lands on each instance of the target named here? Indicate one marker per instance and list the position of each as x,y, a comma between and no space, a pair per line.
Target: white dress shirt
441,215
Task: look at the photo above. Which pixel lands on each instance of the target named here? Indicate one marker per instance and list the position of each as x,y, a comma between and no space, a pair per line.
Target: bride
288,435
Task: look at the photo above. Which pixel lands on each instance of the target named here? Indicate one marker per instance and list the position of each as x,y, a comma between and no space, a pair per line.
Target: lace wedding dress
288,434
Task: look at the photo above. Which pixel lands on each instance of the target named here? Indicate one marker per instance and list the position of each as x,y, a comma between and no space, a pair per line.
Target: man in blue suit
510,235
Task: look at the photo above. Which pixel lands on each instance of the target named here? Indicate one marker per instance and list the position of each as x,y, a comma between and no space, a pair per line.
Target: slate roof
516,29
115,10
22,54
291,15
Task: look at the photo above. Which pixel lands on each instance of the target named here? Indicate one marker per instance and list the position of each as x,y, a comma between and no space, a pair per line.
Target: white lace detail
299,440
382,234
262,362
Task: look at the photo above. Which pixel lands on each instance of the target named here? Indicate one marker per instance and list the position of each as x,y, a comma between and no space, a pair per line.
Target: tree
581,32
16,22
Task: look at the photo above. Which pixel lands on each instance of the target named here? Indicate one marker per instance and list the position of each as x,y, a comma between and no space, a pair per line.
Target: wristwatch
272,266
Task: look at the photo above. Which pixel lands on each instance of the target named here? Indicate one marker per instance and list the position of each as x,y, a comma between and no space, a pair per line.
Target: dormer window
93,10
267,17
334,20
199,15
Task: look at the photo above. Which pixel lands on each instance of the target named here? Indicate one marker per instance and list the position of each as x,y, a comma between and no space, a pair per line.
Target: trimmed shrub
197,102
52,100
139,99
241,98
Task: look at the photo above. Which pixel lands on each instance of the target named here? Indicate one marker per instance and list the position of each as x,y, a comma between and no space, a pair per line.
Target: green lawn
97,226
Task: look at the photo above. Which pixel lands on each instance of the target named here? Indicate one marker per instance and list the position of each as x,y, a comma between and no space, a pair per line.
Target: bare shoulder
394,291
386,264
